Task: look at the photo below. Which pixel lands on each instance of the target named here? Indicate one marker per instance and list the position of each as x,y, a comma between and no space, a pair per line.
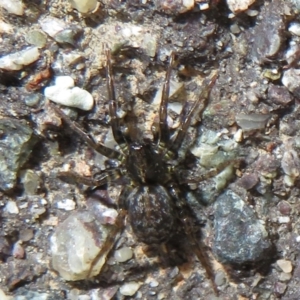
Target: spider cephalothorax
154,197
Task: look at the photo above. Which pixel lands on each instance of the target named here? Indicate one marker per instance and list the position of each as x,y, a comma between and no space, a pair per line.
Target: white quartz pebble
129,288
64,81
11,207
64,93
123,254
16,61
294,28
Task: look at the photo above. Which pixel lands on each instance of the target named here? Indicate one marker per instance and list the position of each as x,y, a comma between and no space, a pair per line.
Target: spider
154,199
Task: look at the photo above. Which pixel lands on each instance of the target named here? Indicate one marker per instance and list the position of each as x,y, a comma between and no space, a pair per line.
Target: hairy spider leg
113,106
160,130
195,241
105,177
211,173
98,147
123,197
163,129
186,118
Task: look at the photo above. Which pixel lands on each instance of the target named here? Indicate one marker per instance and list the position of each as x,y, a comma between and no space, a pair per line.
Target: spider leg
162,136
187,118
104,177
111,239
100,148
198,247
211,173
113,106
122,202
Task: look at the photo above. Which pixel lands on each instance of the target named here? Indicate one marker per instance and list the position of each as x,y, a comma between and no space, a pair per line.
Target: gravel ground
248,213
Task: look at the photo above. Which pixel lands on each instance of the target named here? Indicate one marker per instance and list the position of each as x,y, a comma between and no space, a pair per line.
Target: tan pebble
237,6
285,265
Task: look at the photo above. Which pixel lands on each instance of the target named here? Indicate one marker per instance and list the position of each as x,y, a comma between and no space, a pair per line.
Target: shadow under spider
154,200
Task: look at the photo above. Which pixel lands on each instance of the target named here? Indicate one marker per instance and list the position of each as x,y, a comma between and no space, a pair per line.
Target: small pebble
285,276
66,204
11,207
26,235
36,38
284,220
15,7
290,79
5,27
67,36
32,100
108,216
129,288
85,6
252,12
252,121
161,296
284,207
152,293
174,272
294,28
153,283
44,201
77,246
64,93
238,136
16,61
248,181
52,26
290,163
72,58
279,94
237,6
18,250
30,180
220,278
37,211
280,287
235,29
123,254
203,6
285,265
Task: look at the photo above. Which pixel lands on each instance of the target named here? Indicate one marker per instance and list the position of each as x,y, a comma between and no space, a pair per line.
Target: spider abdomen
151,213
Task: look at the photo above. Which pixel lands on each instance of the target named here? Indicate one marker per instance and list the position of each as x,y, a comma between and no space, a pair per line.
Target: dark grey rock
16,142
279,95
268,35
240,238
248,181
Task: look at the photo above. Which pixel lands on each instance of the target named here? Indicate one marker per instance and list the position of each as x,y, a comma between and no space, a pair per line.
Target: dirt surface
252,115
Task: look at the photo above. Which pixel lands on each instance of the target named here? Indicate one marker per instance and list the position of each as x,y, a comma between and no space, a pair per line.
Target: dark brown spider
154,199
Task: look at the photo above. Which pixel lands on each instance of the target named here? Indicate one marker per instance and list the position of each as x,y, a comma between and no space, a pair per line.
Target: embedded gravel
249,213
